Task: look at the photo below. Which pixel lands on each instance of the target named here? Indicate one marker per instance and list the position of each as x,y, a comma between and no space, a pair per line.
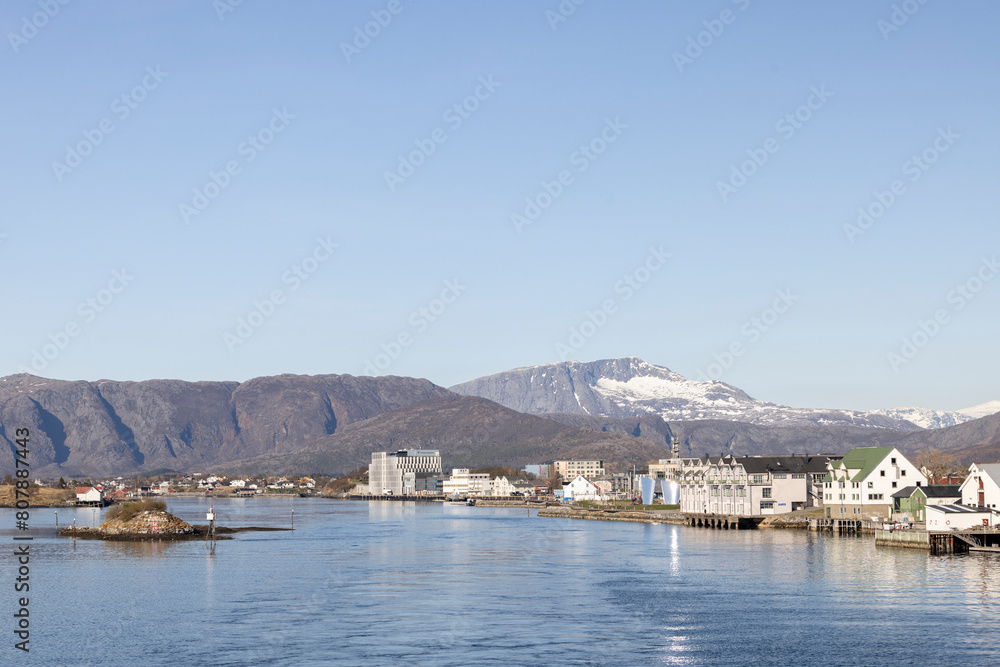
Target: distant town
875,485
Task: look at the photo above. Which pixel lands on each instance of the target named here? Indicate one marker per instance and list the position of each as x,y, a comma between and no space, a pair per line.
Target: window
766,506
871,485
902,473
894,485
766,492
798,476
881,473
781,476
893,461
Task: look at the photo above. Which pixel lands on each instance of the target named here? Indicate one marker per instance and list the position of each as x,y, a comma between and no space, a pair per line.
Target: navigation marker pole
211,525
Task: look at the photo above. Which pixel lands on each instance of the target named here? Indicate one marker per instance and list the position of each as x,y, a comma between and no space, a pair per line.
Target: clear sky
221,191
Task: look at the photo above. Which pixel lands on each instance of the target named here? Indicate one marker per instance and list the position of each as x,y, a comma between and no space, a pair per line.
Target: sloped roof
931,491
991,469
865,458
793,464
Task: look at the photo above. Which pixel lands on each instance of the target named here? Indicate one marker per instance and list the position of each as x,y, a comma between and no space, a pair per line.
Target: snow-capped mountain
631,387
981,410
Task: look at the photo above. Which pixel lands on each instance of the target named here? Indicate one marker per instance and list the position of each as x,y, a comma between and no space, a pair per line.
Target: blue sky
305,257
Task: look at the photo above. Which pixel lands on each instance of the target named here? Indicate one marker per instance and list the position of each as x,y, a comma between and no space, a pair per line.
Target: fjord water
393,583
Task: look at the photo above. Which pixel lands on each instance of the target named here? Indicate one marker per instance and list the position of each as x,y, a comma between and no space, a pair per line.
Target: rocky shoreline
153,525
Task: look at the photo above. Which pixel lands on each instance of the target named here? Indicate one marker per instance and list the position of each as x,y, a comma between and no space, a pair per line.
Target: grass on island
127,511
626,505
38,496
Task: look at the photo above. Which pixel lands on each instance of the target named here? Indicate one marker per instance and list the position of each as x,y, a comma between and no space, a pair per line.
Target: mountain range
624,411
630,386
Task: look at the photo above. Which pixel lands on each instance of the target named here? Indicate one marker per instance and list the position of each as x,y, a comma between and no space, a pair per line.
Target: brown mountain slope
108,427
470,432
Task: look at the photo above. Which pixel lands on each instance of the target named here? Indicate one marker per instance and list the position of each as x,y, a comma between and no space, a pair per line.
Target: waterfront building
581,489
960,517
385,474
750,485
464,483
860,485
571,469
89,494
911,502
981,487
502,487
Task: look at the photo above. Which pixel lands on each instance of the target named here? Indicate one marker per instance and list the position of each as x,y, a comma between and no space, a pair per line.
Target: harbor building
860,486
387,469
751,485
911,503
572,469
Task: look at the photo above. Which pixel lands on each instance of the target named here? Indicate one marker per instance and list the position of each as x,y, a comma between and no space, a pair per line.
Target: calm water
386,583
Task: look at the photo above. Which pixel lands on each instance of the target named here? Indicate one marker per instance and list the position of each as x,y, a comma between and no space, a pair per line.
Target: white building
581,489
982,486
860,486
464,483
960,517
385,474
750,485
89,494
503,487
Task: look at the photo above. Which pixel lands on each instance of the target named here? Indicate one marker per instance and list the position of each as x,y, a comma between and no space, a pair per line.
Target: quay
941,542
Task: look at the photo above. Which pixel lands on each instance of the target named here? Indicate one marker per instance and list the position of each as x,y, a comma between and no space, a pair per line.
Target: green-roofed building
860,485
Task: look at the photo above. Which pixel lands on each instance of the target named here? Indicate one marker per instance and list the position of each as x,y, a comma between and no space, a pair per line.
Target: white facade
982,486
503,487
750,485
960,517
385,474
581,489
860,486
89,494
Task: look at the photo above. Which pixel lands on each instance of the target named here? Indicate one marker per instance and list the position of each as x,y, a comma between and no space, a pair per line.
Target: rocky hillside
470,432
106,427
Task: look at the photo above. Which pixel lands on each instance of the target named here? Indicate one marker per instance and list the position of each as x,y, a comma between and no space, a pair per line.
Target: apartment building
573,469
750,485
387,469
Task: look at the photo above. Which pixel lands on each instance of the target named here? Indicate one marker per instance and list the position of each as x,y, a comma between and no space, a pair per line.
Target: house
386,471
750,485
960,517
522,488
89,494
860,485
910,503
503,487
581,489
238,483
981,487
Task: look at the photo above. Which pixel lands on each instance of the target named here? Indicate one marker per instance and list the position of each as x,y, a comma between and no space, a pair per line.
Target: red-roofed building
89,494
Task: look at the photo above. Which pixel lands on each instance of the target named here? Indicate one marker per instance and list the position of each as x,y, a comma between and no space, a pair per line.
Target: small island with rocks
148,519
